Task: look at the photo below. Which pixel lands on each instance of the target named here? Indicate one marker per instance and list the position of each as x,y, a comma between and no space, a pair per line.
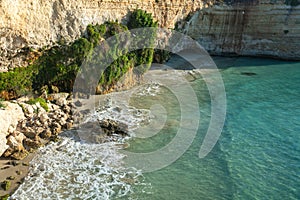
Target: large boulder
105,130
9,118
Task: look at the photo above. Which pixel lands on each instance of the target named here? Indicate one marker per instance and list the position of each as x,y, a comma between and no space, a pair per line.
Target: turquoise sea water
258,153
256,157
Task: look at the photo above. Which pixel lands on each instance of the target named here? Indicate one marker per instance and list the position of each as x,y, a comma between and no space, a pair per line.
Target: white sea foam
116,106
73,169
150,89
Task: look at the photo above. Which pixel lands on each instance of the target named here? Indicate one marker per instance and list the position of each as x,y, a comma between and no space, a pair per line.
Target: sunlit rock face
29,25
254,28
251,27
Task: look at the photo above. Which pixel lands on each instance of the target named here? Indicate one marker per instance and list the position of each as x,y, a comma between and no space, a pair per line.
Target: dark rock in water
248,73
113,127
102,131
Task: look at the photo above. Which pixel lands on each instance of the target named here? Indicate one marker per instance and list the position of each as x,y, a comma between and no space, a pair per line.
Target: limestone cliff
246,27
254,28
32,24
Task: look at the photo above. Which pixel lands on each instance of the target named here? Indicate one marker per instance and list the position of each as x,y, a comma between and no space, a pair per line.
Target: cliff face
255,28
32,24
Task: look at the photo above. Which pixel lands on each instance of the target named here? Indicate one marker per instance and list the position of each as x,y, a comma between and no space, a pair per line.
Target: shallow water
256,157
258,153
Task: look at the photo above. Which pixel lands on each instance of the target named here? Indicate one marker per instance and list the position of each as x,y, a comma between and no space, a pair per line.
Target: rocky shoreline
26,127
29,126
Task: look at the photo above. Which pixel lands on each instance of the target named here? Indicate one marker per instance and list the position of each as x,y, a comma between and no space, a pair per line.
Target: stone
43,118
19,172
55,96
62,122
9,151
67,109
3,145
11,129
10,117
56,128
46,134
61,102
39,130
29,108
53,107
68,125
32,144
30,133
19,136
40,109
19,155
13,163
15,144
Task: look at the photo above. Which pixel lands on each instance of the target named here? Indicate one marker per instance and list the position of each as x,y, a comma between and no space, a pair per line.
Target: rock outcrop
26,26
252,28
25,127
248,27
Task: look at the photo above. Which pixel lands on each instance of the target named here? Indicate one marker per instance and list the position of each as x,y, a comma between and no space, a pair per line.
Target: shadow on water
223,62
228,62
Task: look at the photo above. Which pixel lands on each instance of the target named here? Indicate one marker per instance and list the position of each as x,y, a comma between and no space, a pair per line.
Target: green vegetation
17,82
143,57
58,66
2,104
141,19
42,102
5,197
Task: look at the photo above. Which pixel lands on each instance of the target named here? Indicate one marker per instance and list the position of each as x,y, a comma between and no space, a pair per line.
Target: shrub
58,66
140,19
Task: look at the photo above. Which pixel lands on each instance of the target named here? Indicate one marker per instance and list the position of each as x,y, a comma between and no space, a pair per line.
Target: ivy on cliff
58,66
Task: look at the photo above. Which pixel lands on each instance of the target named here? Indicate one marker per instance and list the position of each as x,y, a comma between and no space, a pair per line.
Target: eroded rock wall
32,24
254,28
242,27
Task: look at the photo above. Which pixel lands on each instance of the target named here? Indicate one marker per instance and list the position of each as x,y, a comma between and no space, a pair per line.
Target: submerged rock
248,73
